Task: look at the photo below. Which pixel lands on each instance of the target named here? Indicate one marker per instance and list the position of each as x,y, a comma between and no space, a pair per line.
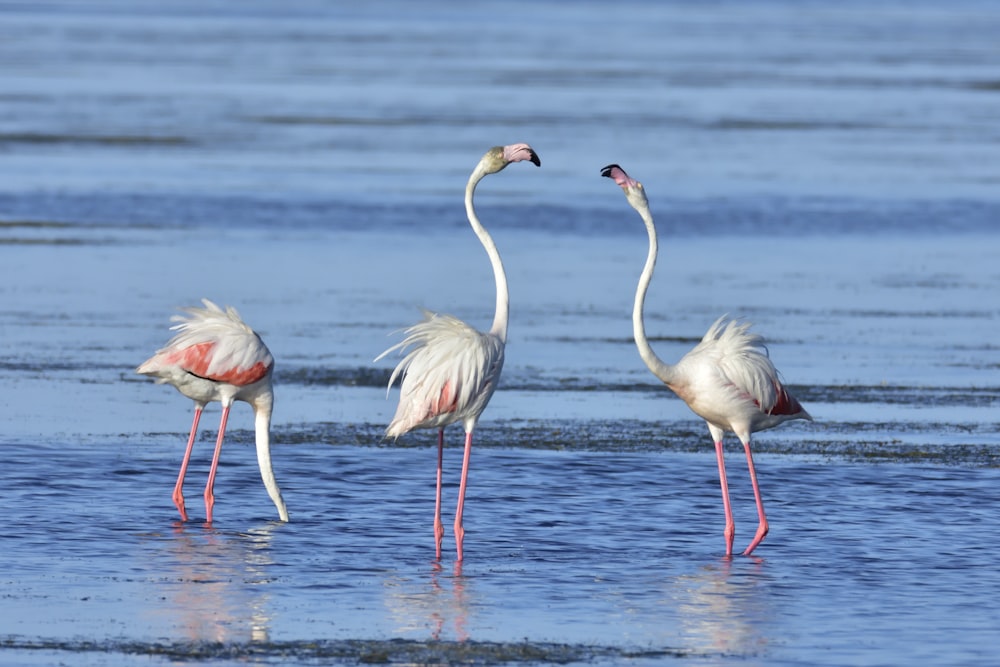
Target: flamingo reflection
723,611
215,584
438,605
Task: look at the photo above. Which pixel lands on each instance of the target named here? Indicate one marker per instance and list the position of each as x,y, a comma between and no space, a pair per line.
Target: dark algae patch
875,442
353,651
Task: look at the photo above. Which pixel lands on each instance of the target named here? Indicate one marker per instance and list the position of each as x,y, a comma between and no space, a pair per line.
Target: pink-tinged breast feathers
197,360
446,402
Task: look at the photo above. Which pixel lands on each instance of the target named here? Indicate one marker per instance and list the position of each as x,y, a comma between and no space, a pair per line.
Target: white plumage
728,379
449,372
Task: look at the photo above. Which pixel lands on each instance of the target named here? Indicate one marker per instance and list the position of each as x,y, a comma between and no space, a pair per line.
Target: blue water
828,172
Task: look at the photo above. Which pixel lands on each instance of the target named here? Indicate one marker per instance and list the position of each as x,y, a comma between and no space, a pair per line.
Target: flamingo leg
438,526
730,531
762,526
179,486
459,529
209,496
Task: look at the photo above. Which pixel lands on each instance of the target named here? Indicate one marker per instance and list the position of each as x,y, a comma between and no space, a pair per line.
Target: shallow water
825,172
590,556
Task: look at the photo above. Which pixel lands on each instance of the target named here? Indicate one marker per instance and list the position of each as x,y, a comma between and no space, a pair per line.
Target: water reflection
725,607
216,583
436,603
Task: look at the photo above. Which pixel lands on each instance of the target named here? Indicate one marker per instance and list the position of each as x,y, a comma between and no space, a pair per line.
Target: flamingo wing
743,362
214,344
448,373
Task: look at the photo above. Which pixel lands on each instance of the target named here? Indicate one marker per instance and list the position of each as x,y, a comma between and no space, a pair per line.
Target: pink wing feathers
214,344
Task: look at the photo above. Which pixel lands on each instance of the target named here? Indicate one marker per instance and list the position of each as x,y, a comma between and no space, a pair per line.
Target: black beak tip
606,171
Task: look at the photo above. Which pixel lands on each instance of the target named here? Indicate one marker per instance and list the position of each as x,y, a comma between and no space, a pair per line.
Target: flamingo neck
660,369
262,406
502,314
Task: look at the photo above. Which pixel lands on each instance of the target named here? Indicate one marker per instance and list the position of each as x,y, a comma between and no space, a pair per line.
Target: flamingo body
450,370
449,374
216,356
728,379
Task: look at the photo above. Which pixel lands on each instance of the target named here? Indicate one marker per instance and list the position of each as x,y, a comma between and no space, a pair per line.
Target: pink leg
730,531
438,526
762,526
459,529
179,486
209,496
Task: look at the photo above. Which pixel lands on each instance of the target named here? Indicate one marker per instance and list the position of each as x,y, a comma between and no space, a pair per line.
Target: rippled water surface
826,171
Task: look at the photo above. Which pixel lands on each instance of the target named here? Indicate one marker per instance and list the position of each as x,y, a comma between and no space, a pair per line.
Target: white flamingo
727,379
450,370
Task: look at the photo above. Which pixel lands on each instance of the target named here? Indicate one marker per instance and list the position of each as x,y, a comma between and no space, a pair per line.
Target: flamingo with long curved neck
216,356
727,379
449,369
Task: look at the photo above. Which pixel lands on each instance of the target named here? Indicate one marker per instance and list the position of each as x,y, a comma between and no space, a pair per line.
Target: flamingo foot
438,536
758,538
730,534
179,502
459,539
209,504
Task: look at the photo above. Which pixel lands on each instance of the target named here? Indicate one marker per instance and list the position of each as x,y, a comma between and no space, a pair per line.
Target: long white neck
660,369
262,426
502,315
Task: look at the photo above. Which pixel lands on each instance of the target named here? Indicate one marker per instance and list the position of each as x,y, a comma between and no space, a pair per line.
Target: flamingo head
499,157
633,189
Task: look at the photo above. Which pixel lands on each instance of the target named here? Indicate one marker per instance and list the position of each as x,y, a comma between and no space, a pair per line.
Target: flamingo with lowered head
727,379
215,356
449,369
